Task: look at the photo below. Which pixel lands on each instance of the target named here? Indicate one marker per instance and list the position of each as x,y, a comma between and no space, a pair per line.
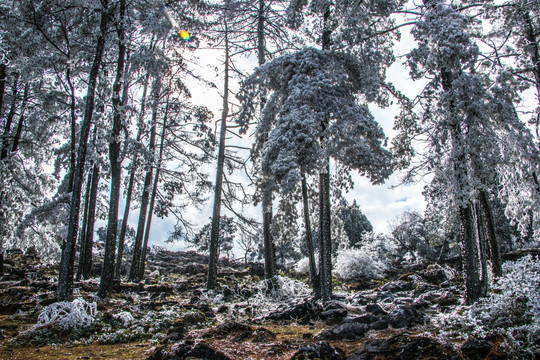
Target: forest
108,110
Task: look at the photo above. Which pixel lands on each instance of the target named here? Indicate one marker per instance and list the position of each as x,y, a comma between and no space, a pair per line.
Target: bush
67,315
512,310
366,263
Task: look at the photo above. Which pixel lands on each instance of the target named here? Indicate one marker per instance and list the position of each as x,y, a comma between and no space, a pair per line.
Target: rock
262,335
434,274
375,309
333,316
226,329
193,318
298,311
222,309
319,351
404,348
398,286
482,349
187,350
345,331
405,316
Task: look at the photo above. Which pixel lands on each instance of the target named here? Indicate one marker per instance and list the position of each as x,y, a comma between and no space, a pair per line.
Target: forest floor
171,316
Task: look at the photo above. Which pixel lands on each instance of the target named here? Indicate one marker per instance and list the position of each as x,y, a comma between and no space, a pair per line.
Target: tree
118,100
469,131
307,86
202,240
355,223
65,278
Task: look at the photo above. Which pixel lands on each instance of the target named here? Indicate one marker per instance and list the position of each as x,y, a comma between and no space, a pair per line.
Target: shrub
512,310
67,315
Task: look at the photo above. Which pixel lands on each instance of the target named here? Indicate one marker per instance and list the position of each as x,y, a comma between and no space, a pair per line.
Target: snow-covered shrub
302,266
367,262
512,310
124,317
271,294
67,315
354,264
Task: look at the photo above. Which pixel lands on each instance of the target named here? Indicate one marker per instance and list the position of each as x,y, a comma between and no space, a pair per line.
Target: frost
68,315
368,262
125,318
512,310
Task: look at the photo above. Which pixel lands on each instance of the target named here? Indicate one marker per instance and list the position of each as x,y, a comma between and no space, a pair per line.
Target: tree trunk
107,274
73,128
482,250
9,119
82,235
86,265
65,277
487,214
470,255
137,247
133,169
154,193
211,282
18,132
2,86
325,235
269,256
309,240
534,50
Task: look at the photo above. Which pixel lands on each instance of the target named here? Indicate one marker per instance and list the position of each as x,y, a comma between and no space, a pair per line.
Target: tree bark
487,214
325,235
82,235
154,193
482,250
107,274
86,264
18,132
9,119
129,195
470,255
2,86
65,277
211,282
309,239
137,248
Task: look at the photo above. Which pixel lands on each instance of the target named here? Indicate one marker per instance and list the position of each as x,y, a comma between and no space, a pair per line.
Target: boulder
405,316
319,351
404,348
345,331
187,350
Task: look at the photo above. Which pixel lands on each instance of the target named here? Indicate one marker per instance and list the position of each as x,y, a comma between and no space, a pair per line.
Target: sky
380,203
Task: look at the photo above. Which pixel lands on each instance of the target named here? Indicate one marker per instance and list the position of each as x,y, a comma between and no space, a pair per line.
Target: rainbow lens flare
184,34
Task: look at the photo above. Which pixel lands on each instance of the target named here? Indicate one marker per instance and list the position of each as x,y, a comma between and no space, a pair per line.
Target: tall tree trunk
534,50
2,86
470,255
266,203
469,236
309,239
211,282
137,247
9,119
325,240
132,170
65,277
86,267
482,250
73,128
487,214
18,132
82,235
107,274
154,193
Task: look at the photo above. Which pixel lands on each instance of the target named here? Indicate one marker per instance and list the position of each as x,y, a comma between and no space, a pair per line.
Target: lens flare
184,34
